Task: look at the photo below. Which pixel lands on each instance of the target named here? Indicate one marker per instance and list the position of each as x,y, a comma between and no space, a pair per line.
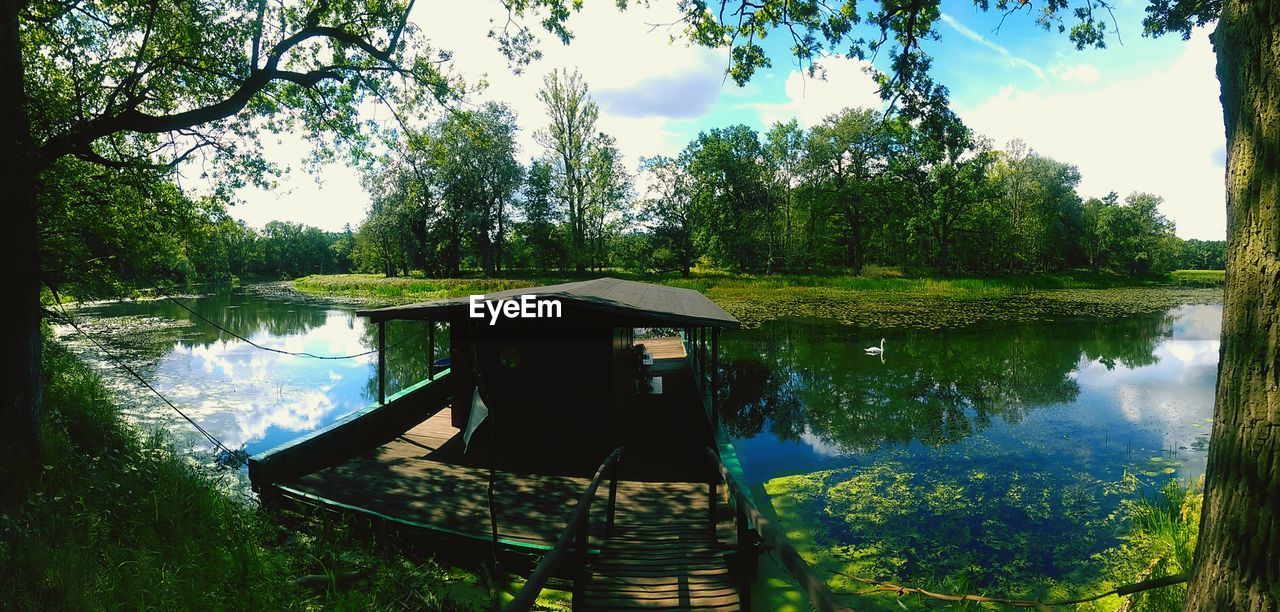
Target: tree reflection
935,387
407,353
244,314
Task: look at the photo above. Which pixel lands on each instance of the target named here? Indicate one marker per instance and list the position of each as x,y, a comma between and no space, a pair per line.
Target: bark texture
1237,567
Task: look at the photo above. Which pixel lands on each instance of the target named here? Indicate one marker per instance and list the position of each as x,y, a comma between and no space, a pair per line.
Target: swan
876,350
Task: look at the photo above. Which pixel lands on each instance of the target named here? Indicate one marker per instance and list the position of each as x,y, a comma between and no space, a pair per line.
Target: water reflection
799,395
244,395
992,459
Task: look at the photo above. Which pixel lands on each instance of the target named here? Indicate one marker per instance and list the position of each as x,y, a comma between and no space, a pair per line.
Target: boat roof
631,302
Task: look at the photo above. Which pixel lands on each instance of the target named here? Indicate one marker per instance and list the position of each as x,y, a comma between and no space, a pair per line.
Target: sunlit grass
1199,277
887,300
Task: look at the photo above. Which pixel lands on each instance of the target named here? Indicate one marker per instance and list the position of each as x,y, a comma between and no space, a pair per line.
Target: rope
122,365
276,350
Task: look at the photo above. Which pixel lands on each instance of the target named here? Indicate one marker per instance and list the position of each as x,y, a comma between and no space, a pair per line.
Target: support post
713,499
581,543
746,557
431,351
613,497
382,362
702,359
715,380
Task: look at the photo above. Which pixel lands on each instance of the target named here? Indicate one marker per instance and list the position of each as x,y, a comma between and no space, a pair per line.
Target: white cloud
328,200
809,100
615,51
1086,74
1161,133
1008,55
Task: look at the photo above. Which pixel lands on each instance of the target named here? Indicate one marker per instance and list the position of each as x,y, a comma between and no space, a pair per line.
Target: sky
1140,115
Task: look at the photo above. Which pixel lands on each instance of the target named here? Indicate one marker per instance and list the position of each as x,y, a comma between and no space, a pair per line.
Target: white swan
876,350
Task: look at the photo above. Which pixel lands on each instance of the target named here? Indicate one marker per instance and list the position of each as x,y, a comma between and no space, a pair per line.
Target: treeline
856,189
107,231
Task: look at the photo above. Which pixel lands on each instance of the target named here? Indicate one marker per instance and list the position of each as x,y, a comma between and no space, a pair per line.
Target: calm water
1092,395
245,396
996,448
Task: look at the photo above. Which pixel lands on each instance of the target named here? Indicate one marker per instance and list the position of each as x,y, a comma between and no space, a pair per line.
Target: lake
1005,449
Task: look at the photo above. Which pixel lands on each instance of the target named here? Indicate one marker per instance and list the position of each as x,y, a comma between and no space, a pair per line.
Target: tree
569,140
784,148
476,160
959,178
606,189
147,85
847,154
538,206
731,192
669,211
1137,238
1202,255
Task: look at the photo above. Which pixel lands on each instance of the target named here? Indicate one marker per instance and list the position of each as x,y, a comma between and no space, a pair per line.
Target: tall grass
120,519
1161,542
1199,278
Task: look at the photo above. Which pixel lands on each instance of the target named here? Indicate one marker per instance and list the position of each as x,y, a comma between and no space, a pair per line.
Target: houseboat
574,424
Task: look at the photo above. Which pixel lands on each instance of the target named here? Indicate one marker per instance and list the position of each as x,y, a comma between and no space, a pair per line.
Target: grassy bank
880,298
120,519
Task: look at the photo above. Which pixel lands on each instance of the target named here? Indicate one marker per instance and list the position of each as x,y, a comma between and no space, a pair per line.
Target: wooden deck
407,479
677,564
662,553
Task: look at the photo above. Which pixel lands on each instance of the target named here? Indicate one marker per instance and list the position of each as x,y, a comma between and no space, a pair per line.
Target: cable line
122,365
276,350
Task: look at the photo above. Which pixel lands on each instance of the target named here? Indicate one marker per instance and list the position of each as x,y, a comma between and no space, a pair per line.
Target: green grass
1199,278
120,519
1161,542
882,298
878,279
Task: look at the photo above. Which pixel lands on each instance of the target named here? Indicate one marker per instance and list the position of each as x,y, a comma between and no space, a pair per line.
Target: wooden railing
576,534
757,533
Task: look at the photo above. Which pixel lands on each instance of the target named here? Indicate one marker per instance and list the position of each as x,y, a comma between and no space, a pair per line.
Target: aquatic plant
1032,533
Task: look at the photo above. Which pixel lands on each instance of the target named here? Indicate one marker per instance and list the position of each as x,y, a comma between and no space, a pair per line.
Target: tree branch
130,119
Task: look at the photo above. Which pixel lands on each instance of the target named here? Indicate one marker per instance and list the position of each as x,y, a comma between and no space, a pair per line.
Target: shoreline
848,301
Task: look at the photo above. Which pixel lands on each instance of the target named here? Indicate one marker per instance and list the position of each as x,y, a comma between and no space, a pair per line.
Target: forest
928,197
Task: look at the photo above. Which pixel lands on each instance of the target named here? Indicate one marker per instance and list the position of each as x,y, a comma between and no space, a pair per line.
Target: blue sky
1137,116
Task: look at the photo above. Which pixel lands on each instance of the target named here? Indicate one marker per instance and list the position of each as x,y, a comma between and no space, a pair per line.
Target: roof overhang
629,302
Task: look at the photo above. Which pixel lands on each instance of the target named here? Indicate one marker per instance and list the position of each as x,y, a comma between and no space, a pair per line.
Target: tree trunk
21,381
944,243
1236,563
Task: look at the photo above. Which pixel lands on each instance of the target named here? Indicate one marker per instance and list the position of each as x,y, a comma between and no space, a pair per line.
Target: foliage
855,190
1202,255
107,231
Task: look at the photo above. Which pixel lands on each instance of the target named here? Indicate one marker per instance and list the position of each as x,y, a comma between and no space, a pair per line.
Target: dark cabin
581,378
